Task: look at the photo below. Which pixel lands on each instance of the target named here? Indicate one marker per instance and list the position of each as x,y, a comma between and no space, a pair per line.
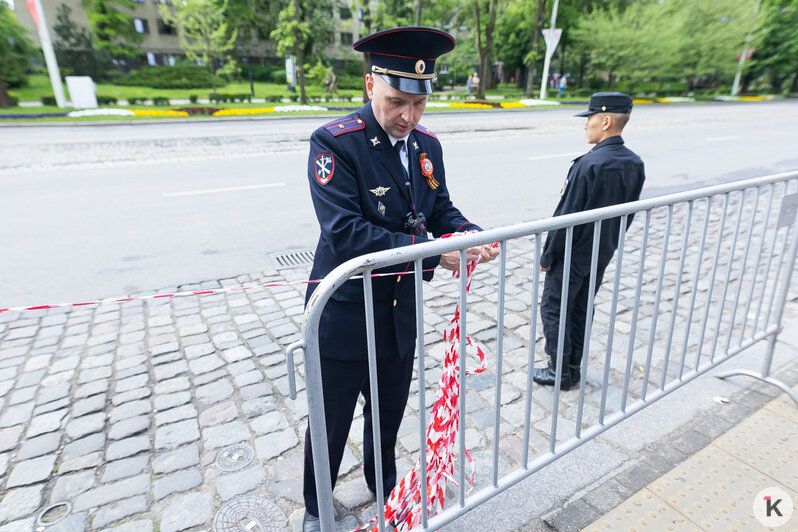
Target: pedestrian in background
608,174
359,169
469,84
563,84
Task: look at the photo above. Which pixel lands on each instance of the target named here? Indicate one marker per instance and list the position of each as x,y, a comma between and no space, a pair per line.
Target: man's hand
544,269
486,253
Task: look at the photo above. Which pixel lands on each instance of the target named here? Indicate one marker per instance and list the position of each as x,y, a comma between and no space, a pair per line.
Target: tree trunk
794,86
213,75
481,86
5,98
485,75
536,34
300,60
366,71
418,12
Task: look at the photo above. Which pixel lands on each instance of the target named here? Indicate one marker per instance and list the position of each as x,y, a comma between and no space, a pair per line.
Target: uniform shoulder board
427,132
344,125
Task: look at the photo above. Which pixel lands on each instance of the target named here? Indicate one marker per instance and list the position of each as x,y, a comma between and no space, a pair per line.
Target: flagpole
49,54
544,80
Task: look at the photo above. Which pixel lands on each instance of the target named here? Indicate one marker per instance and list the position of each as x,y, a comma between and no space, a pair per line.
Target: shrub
48,100
136,101
274,98
348,81
106,100
184,75
193,98
14,100
160,101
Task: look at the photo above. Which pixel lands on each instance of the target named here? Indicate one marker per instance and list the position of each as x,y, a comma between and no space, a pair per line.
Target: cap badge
381,208
426,170
324,168
379,191
421,66
603,107
374,141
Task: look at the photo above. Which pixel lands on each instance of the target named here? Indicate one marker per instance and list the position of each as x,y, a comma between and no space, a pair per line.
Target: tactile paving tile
785,407
768,442
643,511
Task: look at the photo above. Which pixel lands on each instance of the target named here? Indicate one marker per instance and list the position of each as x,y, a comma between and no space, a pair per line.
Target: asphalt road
94,211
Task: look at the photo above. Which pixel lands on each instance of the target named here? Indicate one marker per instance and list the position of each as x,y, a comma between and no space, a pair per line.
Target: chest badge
374,141
379,191
426,170
415,145
381,208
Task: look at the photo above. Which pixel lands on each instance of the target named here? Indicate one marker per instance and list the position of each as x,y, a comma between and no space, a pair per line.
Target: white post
736,85
49,56
545,78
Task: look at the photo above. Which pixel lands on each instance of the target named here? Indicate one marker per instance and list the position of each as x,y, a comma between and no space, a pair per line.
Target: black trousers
576,313
343,381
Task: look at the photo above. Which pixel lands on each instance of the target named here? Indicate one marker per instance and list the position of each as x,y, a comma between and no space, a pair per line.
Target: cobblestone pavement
121,409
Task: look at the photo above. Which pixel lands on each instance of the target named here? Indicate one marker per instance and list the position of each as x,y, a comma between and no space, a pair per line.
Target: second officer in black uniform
608,174
377,182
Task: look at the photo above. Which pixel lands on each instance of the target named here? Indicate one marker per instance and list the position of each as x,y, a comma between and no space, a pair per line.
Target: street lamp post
736,85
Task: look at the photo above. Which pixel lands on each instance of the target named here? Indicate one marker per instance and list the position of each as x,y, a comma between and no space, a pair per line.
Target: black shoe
546,376
310,523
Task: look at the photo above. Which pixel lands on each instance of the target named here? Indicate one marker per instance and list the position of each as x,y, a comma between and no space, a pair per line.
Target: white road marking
215,190
719,139
556,155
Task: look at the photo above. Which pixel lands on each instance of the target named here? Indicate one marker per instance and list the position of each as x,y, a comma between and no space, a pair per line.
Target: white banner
552,38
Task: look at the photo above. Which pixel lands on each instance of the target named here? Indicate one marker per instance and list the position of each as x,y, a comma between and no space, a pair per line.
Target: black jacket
608,174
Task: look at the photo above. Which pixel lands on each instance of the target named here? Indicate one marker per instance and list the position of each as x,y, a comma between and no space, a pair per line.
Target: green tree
204,33
775,60
111,25
16,50
73,47
485,28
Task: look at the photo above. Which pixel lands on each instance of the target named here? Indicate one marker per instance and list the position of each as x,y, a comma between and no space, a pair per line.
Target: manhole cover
293,259
54,513
250,514
235,457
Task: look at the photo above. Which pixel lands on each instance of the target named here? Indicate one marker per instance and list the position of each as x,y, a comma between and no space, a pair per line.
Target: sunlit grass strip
159,113
244,112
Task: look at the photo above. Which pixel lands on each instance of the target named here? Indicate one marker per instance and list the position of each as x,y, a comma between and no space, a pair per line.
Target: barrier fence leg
781,301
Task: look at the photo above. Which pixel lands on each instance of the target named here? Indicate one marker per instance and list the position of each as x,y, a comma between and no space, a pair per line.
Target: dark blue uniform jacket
608,174
357,184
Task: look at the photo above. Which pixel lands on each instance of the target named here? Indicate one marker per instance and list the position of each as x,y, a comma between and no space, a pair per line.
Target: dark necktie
398,147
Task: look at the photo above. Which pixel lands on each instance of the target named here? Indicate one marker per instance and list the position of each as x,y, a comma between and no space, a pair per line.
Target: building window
346,38
167,2
165,28
344,13
151,59
141,25
138,1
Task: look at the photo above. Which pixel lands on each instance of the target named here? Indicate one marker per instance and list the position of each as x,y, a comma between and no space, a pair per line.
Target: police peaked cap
608,102
405,57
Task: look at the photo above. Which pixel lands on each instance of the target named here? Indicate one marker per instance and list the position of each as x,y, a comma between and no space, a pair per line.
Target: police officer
608,174
377,182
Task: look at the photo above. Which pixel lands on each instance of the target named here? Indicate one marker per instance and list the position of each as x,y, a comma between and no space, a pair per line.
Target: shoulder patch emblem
344,125
425,131
324,167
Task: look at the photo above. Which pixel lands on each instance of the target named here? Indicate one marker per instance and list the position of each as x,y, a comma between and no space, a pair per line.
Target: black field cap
405,57
608,102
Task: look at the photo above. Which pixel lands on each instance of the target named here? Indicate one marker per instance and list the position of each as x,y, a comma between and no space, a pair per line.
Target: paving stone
168,357
108,493
164,348
86,445
167,371
91,375
165,402
128,427
353,493
258,406
31,471
132,395
176,434
51,406
275,444
205,364
226,434
23,525
196,351
23,396
126,467
9,437
92,388
241,367
133,408
240,482
67,487
15,415
82,426
45,423
214,392
261,389
268,423
119,510
5,458
131,383
95,403
122,374
39,445
127,447
175,483
71,523
175,414
81,462
206,378
30,378
217,414
172,385
236,353
174,460
189,510
53,393
20,502
133,526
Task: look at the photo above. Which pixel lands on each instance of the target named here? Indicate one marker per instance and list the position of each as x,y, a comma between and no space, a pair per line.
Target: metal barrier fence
699,277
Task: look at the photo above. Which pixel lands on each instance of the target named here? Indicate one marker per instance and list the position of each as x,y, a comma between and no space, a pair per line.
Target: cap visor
586,113
410,86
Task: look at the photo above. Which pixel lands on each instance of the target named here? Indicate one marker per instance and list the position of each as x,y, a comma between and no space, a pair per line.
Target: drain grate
250,514
293,259
235,457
